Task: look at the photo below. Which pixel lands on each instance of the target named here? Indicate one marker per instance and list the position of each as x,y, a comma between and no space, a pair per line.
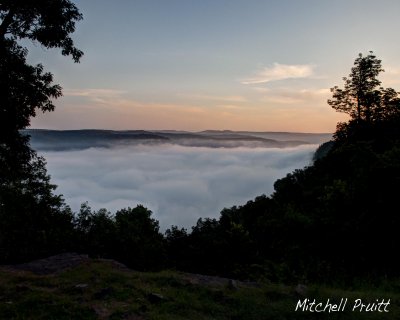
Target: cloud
280,72
232,98
101,96
292,96
391,77
93,93
179,184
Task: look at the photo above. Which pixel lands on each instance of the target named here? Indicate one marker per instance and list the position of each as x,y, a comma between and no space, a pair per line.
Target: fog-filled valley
180,176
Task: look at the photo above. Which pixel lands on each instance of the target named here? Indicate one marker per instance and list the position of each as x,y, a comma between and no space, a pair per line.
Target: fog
179,184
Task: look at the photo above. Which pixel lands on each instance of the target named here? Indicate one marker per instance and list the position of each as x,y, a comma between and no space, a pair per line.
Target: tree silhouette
33,221
139,243
25,88
361,97
48,22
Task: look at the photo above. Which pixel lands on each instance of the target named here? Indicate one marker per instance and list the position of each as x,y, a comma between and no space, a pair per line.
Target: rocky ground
74,286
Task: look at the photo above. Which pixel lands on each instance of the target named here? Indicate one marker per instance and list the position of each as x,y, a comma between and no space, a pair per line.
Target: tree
386,105
96,231
139,243
362,97
49,22
177,247
25,88
33,220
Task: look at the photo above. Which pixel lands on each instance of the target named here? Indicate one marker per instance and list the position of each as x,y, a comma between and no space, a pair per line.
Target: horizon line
177,130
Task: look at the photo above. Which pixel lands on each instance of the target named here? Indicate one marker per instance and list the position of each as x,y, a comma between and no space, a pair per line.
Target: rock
52,264
156,298
232,284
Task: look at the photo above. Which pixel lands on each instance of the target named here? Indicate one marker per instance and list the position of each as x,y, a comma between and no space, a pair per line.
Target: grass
103,290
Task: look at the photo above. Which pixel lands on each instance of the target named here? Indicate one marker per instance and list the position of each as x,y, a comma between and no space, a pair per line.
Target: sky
259,65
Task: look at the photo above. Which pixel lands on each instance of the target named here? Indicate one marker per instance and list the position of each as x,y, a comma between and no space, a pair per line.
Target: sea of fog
178,184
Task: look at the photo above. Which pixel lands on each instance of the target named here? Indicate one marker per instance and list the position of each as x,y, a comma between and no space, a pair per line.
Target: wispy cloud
98,95
280,72
232,98
288,96
92,92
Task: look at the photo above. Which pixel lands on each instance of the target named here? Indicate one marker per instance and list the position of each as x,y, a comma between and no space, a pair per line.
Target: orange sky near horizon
177,117
222,65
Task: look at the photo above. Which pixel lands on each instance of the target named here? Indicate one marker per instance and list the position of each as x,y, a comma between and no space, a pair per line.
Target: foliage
48,22
24,88
34,221
362,98
131,236
323,150
139,242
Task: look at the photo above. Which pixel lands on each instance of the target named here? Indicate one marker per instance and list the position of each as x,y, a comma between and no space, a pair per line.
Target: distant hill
314,138
59,140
